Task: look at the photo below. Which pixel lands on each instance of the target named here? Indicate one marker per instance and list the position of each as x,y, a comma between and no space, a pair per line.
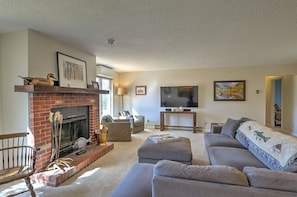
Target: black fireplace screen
75,125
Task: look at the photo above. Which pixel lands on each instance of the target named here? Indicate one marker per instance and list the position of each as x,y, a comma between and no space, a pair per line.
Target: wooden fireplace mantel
57,89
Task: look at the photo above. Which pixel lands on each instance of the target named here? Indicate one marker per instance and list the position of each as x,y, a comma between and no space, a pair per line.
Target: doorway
288,102
274,93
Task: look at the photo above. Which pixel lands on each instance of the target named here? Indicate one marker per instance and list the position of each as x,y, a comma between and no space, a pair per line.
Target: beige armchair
137,121
118,130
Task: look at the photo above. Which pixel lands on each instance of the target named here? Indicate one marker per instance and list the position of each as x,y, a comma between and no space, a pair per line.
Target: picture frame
72,71
140,90
95,84
229,90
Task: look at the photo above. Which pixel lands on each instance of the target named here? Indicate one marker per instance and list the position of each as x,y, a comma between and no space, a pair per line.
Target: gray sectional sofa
225,148
240,143
247,159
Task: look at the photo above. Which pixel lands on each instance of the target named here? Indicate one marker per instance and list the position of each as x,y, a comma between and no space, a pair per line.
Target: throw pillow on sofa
271,179
230,127
214,173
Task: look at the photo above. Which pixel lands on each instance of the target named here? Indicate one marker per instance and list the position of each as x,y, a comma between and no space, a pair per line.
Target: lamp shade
122,91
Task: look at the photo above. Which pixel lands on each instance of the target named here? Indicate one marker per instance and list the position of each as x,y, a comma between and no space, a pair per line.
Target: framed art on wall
229,90
72,71
140,90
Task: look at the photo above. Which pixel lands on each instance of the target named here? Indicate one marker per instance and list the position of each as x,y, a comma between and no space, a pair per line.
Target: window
105,100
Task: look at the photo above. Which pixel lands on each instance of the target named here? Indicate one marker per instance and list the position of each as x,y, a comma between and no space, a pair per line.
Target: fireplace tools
56,162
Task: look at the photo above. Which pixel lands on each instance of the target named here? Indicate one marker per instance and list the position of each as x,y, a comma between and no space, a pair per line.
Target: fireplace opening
75,125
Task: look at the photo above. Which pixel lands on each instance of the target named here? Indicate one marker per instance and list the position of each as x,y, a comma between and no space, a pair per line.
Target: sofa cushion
270,179
276,150
212,139
230,127
234,157
218,174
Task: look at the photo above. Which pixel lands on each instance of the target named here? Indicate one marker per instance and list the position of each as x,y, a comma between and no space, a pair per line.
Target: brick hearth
56,177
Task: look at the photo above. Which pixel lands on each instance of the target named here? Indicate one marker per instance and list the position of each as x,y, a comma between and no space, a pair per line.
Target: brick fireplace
42,100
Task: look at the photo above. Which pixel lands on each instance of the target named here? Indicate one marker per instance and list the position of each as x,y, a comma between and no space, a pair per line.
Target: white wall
29,53
43,60
14,62
209,110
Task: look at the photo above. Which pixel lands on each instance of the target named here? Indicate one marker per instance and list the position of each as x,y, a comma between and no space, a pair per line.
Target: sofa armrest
120,131
137,182
118,125
271,179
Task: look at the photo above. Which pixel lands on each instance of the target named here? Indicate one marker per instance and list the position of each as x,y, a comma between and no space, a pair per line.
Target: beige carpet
101,177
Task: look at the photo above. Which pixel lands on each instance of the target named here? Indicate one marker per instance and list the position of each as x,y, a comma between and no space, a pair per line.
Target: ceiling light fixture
110,41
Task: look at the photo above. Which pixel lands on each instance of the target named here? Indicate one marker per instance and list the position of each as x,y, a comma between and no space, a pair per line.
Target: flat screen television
179,96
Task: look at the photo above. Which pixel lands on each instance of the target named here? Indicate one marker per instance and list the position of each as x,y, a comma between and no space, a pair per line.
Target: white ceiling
164,34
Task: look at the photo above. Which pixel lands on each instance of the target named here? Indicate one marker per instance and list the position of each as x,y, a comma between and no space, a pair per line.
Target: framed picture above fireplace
72,71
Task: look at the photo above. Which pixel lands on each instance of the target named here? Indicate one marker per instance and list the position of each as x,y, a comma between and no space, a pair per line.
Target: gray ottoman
180,151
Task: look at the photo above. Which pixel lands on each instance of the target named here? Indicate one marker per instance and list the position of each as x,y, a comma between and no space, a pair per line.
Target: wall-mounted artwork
140,90
229,90
72,71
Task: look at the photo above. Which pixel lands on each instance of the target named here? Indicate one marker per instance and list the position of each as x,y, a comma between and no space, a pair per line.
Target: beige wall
29,53
209,110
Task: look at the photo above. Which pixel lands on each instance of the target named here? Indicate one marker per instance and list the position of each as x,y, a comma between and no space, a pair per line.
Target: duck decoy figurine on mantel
49,81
